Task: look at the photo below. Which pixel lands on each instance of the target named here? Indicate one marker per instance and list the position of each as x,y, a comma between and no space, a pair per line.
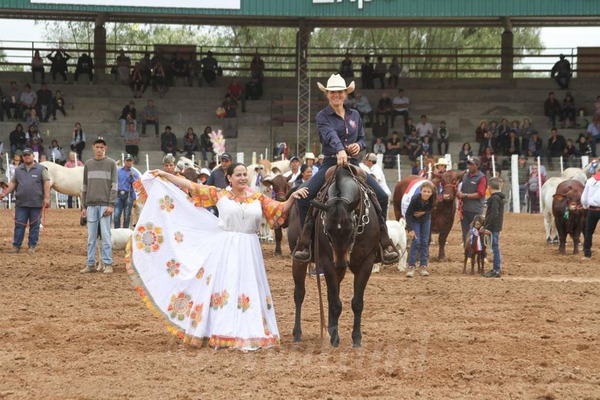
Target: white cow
397,233
65,180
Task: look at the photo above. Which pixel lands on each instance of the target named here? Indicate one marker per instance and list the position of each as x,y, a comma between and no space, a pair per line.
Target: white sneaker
423,272
88,269
108,269
411,272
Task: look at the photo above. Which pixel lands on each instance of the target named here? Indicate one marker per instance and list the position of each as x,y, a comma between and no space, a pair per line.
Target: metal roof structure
315,13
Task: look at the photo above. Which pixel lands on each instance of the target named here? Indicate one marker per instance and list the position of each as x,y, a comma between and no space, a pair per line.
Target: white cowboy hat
309,156
336,83
441,161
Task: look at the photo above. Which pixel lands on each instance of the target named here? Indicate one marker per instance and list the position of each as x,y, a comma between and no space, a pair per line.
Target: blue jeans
96,219
23,215
496,250
420,244
123,203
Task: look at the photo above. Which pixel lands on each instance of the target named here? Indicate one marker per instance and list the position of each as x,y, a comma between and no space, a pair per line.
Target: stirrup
302,255
389,257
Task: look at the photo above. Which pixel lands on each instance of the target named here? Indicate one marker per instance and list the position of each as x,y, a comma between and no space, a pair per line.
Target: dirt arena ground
533,334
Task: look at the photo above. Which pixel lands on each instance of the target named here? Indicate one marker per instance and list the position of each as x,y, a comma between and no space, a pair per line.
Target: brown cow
442,216
569,215
281,186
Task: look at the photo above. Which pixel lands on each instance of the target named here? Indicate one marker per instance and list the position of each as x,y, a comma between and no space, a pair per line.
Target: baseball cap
226,156
100,140
523,157
27,151
474,160
294,159
372,157
128,157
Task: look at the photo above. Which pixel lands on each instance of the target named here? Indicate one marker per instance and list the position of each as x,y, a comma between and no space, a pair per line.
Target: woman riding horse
342,134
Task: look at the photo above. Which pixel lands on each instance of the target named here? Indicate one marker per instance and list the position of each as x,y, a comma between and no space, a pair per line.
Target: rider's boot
303,252
389,254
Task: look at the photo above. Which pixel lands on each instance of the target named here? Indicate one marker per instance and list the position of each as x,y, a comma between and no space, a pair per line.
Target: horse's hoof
548,241
278,253
356,345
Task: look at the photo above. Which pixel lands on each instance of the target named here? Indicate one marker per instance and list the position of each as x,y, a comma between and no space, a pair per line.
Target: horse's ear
319,205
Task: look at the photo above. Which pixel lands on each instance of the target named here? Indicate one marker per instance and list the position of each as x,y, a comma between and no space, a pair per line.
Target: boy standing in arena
494,216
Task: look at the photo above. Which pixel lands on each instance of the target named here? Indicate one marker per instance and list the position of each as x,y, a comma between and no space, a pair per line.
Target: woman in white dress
203,275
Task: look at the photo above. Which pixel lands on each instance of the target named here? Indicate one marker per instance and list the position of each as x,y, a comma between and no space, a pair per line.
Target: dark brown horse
442,216
281,186
346,227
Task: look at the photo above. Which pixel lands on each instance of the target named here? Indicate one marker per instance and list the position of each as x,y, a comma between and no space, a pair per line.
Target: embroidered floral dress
203,275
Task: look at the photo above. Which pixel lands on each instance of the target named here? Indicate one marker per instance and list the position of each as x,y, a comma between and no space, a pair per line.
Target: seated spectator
230,126
513,146
380,129
160,79
552,108
488,162
569,112
525,134
556,146
364,108
400,107
27,102
209,66
179,66
393,147
38,148
384,107
254,89
59,64
379,146
44,102
570,154
150,117
235,89
394,70
18,139
55,153
480,132
123,65
593,132
58,103
443,137
168,142
490,141
132,141
78,140
146,69
33,119
85,65
534,148
37,66
426,148
128,115
366,74
584,146
16,161
136,81
414,145
410,126
191,143
32,133
3,105
380,71
424,128
465,154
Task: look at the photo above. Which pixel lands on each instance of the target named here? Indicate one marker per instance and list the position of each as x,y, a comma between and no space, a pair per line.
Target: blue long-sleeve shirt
337,134
126,177
416,204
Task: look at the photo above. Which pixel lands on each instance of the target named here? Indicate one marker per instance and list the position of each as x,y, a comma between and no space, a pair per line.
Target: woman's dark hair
466,144
304,167
433,199
232,167
17,127
208,129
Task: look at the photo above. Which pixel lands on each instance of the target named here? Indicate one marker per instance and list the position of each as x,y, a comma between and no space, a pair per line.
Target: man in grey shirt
99,195
150,117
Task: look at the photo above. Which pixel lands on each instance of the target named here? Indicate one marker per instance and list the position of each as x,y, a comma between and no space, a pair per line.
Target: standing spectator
418,225
380,71
394,70
464,155
72,162
472,194
206,145
126,175
556,146
150,115
366,73
561,72
443,138
494,216
37,66
59,64
525,134
160,79
132,141
146,69
384,107
569,112
55,153
17,139
209,66
99,194
346,68
43,105
4,106
58,103
235,89
85,65
552,108
191,143
257,68
590,200
78,140
128,115
230,126
533,189
593,132
217,177
12,101
32,184
168,142
400,107
480,132
123,65
16,161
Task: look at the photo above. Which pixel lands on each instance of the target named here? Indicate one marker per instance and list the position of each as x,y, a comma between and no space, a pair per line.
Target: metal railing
281,61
